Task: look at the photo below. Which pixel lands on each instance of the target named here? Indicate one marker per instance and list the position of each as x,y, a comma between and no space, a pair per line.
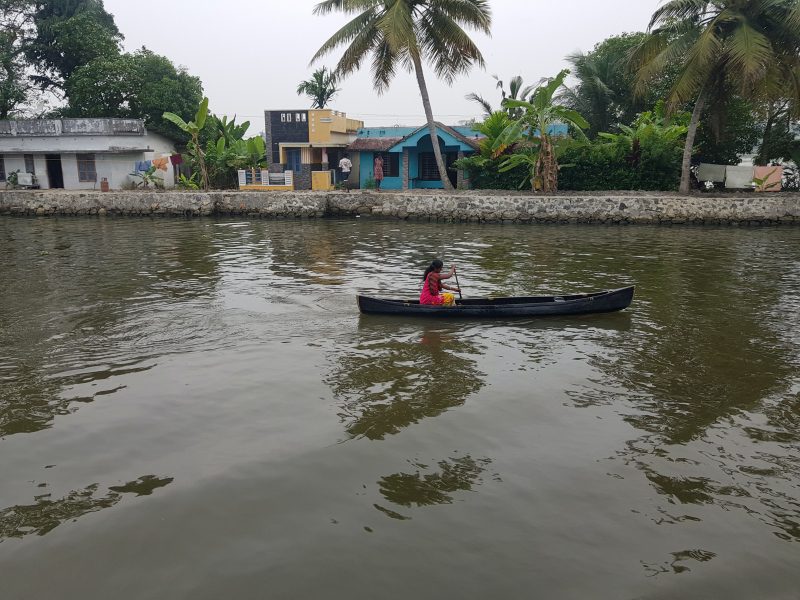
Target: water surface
195,409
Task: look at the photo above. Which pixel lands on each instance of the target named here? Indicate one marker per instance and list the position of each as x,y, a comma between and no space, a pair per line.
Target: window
304,117
391,163
87,171
283,117
2,169
30,167
428,171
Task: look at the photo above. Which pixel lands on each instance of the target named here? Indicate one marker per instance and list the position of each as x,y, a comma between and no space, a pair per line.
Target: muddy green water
195,409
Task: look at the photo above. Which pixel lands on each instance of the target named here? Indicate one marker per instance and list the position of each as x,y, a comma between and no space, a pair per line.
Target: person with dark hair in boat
433,286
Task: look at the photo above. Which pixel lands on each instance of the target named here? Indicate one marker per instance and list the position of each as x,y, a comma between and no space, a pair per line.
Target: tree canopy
70,51
141,85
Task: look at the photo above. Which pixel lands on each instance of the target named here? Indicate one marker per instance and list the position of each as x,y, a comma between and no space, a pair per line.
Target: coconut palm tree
404,33
751,46
321,88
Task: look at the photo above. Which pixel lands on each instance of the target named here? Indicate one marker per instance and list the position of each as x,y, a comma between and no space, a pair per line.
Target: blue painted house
408,158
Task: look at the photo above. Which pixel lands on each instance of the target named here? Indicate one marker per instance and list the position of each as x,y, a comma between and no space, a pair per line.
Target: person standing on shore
345,167
378,170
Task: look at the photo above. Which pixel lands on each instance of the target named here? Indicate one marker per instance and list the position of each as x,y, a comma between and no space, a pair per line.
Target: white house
77,154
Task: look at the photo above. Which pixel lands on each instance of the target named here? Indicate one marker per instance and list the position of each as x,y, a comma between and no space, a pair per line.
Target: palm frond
698,68
345,6
447,46
474,14
749,52
678,10
485,105
384,65
396,23
356,29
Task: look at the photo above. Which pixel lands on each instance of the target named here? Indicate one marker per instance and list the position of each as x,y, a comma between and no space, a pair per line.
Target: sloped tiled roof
378,144
382,144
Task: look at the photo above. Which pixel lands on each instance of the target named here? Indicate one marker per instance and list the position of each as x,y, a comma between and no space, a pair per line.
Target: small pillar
405,168
460,178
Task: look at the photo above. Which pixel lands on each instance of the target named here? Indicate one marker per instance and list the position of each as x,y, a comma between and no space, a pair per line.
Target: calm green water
195,409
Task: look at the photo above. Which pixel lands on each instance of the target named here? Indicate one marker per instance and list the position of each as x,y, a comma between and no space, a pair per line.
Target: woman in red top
378,171
433,286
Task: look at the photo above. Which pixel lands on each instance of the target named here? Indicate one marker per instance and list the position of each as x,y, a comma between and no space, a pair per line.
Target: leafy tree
139,85
533,132
780,136
404,33
604,93
70,34
16,28
321,88
750,46
732,129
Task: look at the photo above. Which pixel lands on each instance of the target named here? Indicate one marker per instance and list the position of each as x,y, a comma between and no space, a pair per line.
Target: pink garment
773,176
426,297
378,169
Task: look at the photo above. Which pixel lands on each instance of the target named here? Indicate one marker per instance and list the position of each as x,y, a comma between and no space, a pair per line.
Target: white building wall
117,168
12,163
115,157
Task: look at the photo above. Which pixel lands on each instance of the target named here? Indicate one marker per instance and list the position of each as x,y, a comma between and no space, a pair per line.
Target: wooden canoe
535,306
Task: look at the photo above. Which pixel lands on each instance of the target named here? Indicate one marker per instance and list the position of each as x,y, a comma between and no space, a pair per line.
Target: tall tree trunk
426,102
689,145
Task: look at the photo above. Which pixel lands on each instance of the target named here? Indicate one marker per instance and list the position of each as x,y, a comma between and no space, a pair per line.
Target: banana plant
532,132
193,128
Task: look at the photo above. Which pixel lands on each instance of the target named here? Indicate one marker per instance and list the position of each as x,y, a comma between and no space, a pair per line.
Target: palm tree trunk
689,145
426,102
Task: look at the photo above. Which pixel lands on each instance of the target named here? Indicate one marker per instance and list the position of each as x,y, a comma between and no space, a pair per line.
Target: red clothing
431,290
378,169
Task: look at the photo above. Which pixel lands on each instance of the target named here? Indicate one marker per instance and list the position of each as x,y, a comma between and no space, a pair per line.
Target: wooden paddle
458,285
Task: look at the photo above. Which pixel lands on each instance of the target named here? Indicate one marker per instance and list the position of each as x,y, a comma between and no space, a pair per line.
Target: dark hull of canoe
539,306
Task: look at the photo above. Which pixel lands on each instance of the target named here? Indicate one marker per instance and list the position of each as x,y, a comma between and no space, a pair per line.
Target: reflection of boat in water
534,306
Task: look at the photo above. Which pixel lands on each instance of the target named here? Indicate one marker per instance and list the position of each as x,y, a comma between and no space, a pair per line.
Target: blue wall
419,142
367,172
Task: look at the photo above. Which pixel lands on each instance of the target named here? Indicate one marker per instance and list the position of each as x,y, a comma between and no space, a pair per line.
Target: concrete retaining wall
613,207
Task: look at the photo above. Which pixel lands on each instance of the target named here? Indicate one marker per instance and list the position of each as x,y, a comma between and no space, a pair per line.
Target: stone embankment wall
476,206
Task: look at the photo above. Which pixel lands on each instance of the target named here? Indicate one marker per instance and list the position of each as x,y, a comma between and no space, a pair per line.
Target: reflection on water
677,564
230,354
396,375
45,514
421,488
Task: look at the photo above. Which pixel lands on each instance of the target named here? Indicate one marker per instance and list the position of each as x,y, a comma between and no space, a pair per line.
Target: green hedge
595,166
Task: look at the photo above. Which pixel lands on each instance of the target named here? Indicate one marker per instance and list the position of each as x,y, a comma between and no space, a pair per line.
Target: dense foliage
68,53
748,47
643,156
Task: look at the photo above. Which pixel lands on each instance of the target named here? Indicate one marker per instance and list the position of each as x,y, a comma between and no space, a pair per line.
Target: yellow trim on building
326,126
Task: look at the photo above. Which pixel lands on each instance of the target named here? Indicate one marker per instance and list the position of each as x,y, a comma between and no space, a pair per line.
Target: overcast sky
251,54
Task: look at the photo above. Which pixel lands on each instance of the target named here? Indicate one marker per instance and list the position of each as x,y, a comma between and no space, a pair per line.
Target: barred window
391,163
30,167
428,169
2,169
87,171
